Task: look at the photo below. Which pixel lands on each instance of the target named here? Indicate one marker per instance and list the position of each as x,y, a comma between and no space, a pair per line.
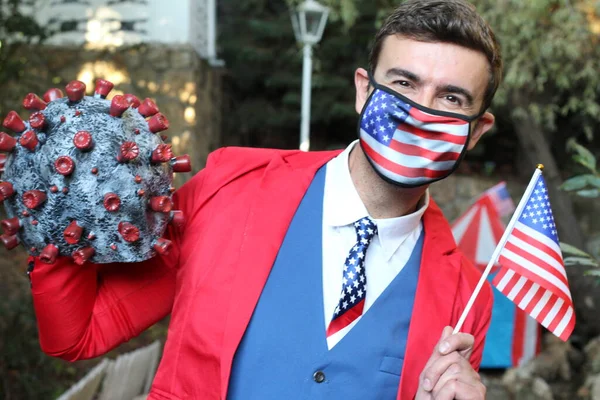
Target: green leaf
569,249
593,272
577,182
586,262
586,162
583,156
589,193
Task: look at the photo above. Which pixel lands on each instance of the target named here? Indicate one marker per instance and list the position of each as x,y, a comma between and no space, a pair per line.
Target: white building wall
114,23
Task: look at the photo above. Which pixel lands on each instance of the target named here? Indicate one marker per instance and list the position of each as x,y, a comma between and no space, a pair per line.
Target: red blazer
238,210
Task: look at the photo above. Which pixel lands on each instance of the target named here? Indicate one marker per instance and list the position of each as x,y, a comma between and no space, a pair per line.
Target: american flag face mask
410,145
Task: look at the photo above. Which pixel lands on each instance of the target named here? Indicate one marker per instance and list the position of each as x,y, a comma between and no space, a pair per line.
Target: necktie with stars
354,282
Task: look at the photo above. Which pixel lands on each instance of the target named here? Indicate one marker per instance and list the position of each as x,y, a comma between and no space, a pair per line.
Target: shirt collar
342,206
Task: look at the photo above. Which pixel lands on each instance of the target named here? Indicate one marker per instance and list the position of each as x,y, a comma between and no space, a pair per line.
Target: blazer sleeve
86,311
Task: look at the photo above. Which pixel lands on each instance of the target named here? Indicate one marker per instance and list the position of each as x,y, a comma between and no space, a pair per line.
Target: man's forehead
435,62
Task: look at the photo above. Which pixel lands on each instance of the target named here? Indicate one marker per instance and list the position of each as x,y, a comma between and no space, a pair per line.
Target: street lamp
309,21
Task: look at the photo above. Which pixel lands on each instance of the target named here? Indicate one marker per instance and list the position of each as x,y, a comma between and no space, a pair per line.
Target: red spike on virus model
88,178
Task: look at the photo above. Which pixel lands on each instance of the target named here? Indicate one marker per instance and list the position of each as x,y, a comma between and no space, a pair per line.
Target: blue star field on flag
537,213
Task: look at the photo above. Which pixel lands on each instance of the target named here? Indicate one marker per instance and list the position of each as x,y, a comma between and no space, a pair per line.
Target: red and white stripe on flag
532,273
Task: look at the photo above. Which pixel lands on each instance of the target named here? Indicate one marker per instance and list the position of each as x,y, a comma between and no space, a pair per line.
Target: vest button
319,377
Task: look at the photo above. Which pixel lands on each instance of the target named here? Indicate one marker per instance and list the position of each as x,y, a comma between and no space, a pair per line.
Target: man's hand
448,374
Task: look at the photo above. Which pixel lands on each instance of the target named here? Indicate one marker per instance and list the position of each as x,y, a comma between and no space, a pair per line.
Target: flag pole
500,245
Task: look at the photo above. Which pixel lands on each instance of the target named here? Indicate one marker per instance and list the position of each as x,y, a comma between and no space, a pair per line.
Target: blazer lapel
434,299
277,198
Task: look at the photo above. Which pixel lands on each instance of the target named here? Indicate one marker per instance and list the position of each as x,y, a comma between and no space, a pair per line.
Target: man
315,275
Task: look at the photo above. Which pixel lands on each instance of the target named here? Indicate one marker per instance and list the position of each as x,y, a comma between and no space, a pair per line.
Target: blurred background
230,73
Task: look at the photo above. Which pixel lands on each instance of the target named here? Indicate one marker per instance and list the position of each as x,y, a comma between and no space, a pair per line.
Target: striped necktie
354,282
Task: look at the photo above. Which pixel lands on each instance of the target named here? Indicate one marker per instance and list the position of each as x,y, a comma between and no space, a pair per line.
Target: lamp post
308,21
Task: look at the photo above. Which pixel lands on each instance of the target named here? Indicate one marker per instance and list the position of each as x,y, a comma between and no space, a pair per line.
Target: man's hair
445,21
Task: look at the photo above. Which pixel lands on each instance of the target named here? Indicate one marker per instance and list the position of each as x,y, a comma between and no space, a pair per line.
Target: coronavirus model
88,178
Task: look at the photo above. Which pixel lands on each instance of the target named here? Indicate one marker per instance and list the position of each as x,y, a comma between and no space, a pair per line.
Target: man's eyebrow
458,90
399,72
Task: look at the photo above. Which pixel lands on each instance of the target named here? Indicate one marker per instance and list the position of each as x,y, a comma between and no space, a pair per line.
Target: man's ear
361,82
484,124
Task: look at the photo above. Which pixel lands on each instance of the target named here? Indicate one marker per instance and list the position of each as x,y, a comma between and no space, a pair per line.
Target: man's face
441,76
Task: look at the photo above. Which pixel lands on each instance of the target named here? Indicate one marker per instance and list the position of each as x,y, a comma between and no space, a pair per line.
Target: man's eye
453,100
402,83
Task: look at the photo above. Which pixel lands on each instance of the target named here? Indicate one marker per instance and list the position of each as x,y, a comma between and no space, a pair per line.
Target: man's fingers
458,390
451,373
461,371
461,342
448,351
447,332
433,372
448,373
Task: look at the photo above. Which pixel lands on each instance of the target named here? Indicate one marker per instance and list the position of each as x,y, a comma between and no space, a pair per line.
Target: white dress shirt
387,254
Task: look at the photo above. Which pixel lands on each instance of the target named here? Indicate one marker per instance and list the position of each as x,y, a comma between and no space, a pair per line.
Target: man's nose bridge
425,96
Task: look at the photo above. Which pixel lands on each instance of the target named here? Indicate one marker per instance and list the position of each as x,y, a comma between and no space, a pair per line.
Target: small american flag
532,272
391,127
501,199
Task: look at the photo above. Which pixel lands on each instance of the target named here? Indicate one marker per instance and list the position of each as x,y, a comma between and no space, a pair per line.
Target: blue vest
284,355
